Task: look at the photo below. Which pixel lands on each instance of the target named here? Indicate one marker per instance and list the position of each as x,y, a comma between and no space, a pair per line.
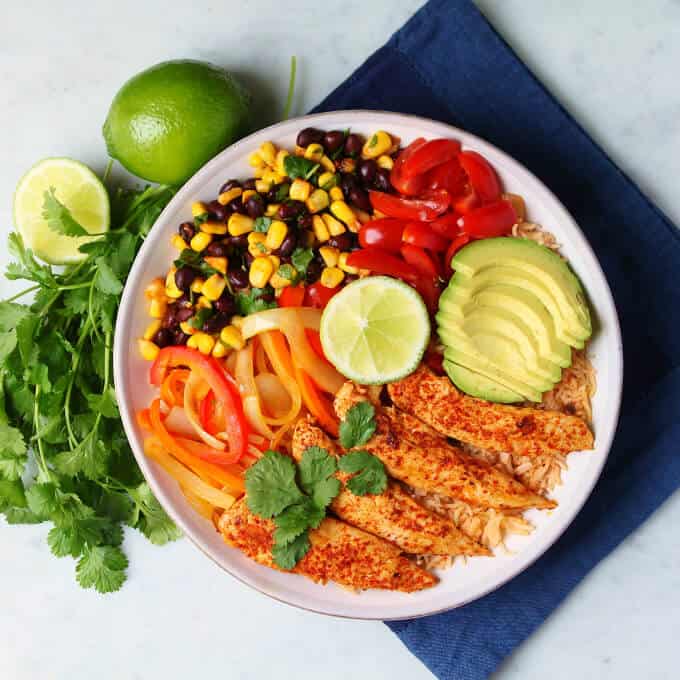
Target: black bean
236,206
333,140
217,249
367,170
255,206
218,211
313,271
249,184
229,185
382,180
184,300
342,242
360,198
285,259
184,314
268,295
290,210
225,304
163,337
238,278
287,246
238,242
180,338
309,136
184,277
169,318
353,144
348,183
305,221
187,231
215,323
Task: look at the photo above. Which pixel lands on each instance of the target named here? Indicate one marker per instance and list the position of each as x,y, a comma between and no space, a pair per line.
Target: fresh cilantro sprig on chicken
64,457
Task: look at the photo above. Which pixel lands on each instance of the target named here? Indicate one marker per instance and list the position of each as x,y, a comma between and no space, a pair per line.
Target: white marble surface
613,64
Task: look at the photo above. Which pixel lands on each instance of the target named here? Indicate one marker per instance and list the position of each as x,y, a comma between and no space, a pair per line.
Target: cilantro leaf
371,477
151,519
301,258
358,426
104,403
287,271
270,485
88,458
11,315
282,192
72,539
262,224
26,266
201,316
251,302
59,217
297,166
103,568
12,494
106,280
286,556
12,452
316,470
190,258
296,519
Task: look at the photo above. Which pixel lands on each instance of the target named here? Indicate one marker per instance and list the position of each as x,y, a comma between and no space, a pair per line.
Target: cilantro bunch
64,457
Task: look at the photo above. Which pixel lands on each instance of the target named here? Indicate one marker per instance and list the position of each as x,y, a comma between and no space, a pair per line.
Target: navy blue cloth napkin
448,63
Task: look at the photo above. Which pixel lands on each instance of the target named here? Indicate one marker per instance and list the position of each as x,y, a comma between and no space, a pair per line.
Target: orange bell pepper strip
316,403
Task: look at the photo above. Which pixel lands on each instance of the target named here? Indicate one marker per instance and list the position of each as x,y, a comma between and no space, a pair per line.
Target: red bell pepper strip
432,153
383,233
315,341
382,262
292,296
493,219
419,234
413,185
425,209
429,291
482,176
449,176
209,370
419,259
446,225
318,296
455,246
464,204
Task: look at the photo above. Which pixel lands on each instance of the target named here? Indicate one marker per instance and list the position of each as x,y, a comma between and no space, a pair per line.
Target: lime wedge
375,330
76,187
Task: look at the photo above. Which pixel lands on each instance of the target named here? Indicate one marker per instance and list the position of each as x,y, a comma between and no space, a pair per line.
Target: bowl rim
190,188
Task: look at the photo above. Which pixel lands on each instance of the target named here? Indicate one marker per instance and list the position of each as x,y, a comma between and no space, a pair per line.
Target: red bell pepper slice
383,233
425,209
382,262
318,296
429,290
455,246
493,219
449,176
209,370
292,296
420,234
419,259
315,341
413,185
482,176
464,204
432,153
447,225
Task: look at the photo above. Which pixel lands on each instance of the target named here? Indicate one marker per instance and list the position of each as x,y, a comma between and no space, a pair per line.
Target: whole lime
167,121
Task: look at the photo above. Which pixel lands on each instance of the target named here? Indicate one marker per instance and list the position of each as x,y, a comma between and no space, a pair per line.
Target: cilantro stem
74,286
22,293
72,439
291,88
41,453
90,313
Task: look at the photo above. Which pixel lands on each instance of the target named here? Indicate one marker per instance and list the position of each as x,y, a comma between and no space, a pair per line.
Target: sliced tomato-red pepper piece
432,153
315,342
446,225
429,291
425,209
482,176
413,185
318,296
209,370
384,233
493,219
455,246
418,258
449,176
464,204
382,262
292,296
420,234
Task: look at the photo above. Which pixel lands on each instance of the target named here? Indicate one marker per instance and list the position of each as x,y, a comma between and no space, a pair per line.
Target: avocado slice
534,267
476,385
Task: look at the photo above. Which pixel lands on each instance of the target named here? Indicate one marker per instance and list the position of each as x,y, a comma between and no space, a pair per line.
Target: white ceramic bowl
465,581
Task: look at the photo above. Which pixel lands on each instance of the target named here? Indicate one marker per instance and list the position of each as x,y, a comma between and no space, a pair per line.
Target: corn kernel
342,264
376,145
278,281
228,196
280,162
237,320
327,164
187,328
197,285
256,244
231,337
275,260
385,162
335,227
272,209
240,224
327,180
361,215
314,152
272,177
219,350
171,289
344,213
258,172
263,186
157,308
247,194
267,153
214,287
336,194
156,288
255,160
276,233
299,150
203,303
198,208
306,238
219,263
300,190
331,277
178,242
193,341
148,349
329,255
261,271
201,241
348,165
152,329
214,227
317,201
320,229
204,342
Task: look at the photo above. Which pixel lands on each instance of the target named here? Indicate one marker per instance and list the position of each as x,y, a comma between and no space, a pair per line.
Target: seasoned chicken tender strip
338,552
418,457
393,514
494,427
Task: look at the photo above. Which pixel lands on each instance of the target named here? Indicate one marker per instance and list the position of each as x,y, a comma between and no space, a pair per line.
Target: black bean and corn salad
294,222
